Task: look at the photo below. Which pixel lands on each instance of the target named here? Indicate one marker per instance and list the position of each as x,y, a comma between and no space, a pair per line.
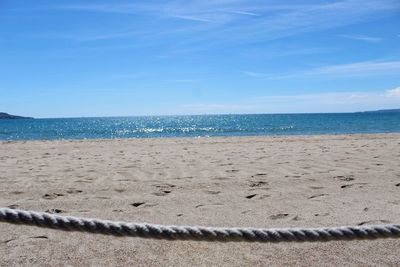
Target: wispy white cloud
202,11
364,68
364,38
244,13
106,8
395,92
98,37
332,101
303,103
309,18
327,98
283,50
245,21
194,18
255,74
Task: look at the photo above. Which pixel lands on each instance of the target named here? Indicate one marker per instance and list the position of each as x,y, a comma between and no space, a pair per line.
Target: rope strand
145,230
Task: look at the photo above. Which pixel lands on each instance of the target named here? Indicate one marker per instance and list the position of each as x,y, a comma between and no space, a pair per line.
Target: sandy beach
299,181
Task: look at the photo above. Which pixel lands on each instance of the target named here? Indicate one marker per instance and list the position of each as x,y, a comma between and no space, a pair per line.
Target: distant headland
384,110
5,116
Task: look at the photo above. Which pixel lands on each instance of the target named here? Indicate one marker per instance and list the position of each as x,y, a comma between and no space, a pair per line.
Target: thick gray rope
145,230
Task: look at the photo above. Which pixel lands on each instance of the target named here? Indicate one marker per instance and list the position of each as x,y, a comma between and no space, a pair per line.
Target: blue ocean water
199,126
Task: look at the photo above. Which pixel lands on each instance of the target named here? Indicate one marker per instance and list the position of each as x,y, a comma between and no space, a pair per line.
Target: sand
312,181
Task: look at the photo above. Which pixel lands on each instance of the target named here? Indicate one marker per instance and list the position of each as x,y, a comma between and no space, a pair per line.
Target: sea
199,126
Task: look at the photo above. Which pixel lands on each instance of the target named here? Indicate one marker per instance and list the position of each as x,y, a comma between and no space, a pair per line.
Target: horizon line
216,114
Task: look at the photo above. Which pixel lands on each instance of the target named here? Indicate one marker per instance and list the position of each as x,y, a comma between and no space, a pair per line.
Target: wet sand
297,181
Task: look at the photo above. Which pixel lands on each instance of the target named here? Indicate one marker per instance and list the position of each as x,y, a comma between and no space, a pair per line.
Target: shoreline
294,136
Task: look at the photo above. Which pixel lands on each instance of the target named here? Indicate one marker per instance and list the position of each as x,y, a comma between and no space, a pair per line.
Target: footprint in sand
9,240
52,195
119,190
164,186
162,193
137,204
203,205
118,210
258,174
164,189
226,164
73,191
54,211
373,222
318,195
101,197
123,180
344,178
350,185
129,167
258,184
278,216
321,215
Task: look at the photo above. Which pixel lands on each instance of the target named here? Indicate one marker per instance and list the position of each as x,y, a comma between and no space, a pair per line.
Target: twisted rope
145,230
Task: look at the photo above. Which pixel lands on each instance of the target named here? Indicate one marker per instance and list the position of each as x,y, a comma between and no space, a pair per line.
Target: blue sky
108,58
